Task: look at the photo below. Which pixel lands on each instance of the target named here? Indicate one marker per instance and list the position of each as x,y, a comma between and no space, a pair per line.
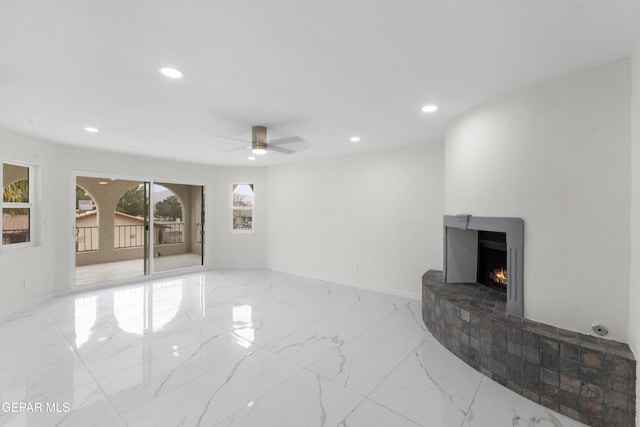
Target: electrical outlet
599,329
27,283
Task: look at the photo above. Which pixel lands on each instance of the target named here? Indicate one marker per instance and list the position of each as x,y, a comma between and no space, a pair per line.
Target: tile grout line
113,407
411,353
472,402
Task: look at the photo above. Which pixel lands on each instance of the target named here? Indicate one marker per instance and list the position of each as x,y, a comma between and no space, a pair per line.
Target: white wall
237,250
372,220
559,158
48,265
37,264
634,282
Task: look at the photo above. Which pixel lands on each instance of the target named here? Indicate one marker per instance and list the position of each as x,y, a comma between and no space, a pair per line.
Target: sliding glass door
177,226
129,228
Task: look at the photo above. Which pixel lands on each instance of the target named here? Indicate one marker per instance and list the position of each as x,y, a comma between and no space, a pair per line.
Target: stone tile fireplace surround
587,378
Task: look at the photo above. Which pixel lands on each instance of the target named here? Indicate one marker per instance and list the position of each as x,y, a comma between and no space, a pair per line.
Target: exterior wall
371,220
555,154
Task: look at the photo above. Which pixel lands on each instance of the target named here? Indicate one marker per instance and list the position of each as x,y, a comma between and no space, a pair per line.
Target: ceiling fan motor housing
259,139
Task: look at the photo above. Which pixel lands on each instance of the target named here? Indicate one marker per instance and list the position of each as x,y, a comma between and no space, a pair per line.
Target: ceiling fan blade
230,138
280,149
287,140
235,149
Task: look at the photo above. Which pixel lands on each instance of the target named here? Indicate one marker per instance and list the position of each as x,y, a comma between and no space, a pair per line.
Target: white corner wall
557,155
371,220
49,265
36,264
634,279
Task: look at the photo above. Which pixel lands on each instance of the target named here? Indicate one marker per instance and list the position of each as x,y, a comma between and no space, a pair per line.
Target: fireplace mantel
460,242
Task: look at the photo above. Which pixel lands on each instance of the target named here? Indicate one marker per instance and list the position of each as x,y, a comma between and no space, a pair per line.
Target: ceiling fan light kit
259,140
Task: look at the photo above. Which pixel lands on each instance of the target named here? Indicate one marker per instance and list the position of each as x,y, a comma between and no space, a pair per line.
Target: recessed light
91,129
429,108
251,158
355,139
172,73
102,182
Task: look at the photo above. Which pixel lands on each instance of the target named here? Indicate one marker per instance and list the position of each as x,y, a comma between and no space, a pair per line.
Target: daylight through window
17,204
242,207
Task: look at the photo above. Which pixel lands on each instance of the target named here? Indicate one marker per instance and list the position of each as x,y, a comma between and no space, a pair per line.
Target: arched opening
177,226
98,213
129,218
168,214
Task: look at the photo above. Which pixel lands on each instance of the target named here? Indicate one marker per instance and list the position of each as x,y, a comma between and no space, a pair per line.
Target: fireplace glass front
492,259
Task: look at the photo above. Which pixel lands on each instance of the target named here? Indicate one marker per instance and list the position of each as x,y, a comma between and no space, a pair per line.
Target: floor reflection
139,310
85,318
243,324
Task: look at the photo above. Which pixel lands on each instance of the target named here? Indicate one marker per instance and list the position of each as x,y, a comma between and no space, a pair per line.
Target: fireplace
492,259
486,250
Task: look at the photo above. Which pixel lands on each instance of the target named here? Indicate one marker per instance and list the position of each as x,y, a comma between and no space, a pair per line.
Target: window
242,208
17,204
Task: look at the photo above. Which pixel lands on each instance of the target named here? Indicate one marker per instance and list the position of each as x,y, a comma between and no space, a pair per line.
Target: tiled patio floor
110,271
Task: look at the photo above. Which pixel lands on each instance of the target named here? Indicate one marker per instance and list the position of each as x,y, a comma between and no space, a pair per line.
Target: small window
242,208
17,204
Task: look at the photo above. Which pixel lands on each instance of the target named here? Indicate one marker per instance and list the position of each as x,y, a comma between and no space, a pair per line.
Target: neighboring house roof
124,215
92,213
85,214
15,222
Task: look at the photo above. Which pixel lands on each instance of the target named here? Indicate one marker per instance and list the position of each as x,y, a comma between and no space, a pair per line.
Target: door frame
75,173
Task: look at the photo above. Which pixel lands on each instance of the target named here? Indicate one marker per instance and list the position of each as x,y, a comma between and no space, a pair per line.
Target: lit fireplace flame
499,276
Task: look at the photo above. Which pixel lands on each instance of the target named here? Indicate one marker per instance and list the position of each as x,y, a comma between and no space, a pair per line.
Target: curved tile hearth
586,378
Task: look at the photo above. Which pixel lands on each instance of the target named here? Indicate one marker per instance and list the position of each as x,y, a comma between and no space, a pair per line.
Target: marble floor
109,271
242,348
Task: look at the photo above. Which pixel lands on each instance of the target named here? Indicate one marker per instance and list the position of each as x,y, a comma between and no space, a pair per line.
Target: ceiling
321,70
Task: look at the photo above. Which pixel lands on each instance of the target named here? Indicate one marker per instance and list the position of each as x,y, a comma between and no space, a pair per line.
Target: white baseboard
25,306
388,291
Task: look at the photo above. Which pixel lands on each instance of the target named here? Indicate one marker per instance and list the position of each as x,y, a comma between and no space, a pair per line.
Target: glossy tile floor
242,348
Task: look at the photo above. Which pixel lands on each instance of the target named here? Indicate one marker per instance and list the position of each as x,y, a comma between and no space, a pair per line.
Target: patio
110,271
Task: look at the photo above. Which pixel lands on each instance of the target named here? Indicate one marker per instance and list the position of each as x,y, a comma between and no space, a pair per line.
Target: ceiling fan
260,145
